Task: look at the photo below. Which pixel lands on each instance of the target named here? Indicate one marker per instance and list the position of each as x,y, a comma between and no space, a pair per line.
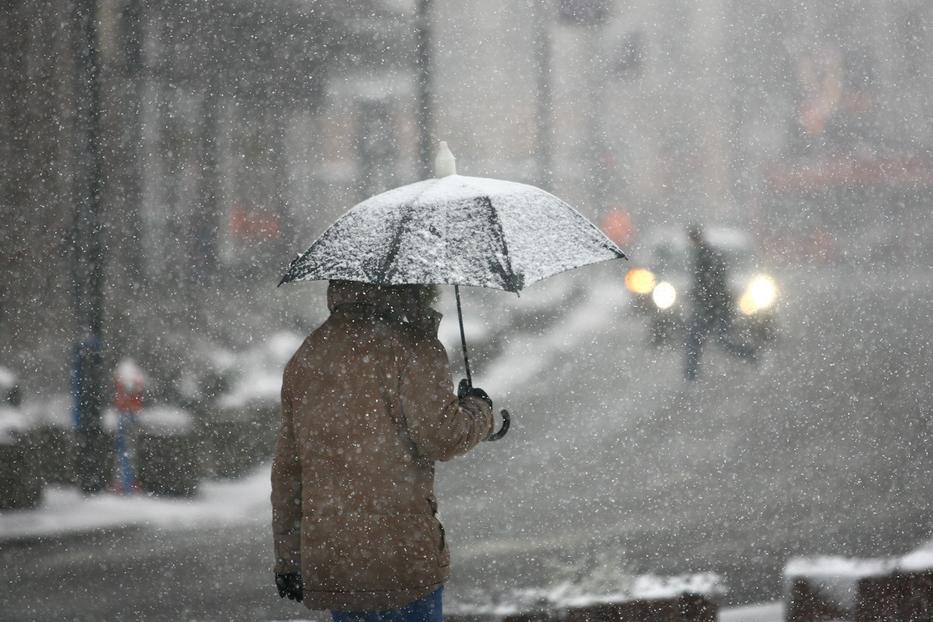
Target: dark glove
465,390
291,586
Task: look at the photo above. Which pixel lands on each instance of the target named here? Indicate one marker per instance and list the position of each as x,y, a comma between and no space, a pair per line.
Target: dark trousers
427,609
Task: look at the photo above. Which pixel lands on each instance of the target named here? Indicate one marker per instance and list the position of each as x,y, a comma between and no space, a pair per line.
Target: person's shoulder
299,358
420,341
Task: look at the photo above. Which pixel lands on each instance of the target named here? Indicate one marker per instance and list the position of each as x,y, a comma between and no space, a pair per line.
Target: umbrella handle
506,418
506,423
466,358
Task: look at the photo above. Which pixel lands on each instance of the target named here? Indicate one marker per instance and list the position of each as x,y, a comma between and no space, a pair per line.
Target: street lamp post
424,112
542,14
88,372
589,16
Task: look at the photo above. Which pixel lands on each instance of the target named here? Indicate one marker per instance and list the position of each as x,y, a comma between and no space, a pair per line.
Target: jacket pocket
440,526
443,553
374,552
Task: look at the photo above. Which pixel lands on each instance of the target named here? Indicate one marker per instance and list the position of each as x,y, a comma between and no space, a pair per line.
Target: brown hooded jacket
367,408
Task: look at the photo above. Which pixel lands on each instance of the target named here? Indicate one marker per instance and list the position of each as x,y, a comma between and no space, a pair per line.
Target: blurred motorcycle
660,283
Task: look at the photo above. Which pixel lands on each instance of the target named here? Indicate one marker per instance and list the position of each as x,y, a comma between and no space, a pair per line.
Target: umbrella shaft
466,358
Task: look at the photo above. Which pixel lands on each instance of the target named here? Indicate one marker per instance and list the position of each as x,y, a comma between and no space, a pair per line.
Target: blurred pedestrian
129,383
367,409
712,308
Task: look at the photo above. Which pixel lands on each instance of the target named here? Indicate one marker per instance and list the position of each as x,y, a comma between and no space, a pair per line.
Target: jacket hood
382,298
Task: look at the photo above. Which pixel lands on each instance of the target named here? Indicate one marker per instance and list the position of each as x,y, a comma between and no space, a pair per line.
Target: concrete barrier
233,442
865,591
686,608
805,603
900,597
20,485
166,453
55,448
167,465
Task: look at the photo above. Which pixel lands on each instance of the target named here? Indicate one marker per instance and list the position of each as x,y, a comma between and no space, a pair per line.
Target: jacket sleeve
439,424
286,493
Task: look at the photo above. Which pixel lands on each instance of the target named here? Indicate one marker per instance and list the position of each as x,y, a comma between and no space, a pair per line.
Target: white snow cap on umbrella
445,164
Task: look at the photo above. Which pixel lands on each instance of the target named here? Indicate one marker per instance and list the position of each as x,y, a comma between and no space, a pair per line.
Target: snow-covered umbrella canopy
455,230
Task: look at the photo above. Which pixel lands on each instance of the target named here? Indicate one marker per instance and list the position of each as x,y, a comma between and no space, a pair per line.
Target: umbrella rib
296,269
606,243
300,266
513,282
392,256
390,265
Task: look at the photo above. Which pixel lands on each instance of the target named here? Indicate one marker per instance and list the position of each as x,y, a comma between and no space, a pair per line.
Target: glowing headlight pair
664,295
759,294
642,281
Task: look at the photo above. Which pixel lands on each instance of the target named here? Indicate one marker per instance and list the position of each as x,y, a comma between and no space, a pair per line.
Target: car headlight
760,294
664,295
640,281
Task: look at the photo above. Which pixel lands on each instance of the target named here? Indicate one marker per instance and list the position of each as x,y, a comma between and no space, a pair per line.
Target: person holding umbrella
367,408
367,401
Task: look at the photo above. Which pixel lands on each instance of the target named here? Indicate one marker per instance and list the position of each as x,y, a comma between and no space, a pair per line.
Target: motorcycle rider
712,306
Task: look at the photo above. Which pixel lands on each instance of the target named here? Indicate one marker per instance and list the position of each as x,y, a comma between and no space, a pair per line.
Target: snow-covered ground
767,612
65,511
604,584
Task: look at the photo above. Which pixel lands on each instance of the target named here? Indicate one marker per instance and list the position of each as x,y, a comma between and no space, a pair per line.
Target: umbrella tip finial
444,163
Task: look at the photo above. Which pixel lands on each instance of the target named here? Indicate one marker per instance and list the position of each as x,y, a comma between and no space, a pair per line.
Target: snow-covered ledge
835,579
600,588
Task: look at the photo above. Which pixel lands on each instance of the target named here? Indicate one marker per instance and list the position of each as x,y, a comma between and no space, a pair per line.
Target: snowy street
614,467
682,249
804,453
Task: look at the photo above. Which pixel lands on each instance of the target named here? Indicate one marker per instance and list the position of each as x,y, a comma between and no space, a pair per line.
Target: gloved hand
465,390
291,586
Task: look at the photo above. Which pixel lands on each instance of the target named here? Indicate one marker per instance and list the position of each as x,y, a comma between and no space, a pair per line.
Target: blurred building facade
669,113
200,105
235,131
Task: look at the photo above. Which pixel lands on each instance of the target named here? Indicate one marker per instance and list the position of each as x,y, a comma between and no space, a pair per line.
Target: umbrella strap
466,358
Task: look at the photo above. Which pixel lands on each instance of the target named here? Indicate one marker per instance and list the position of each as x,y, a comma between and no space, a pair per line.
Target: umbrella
455,230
